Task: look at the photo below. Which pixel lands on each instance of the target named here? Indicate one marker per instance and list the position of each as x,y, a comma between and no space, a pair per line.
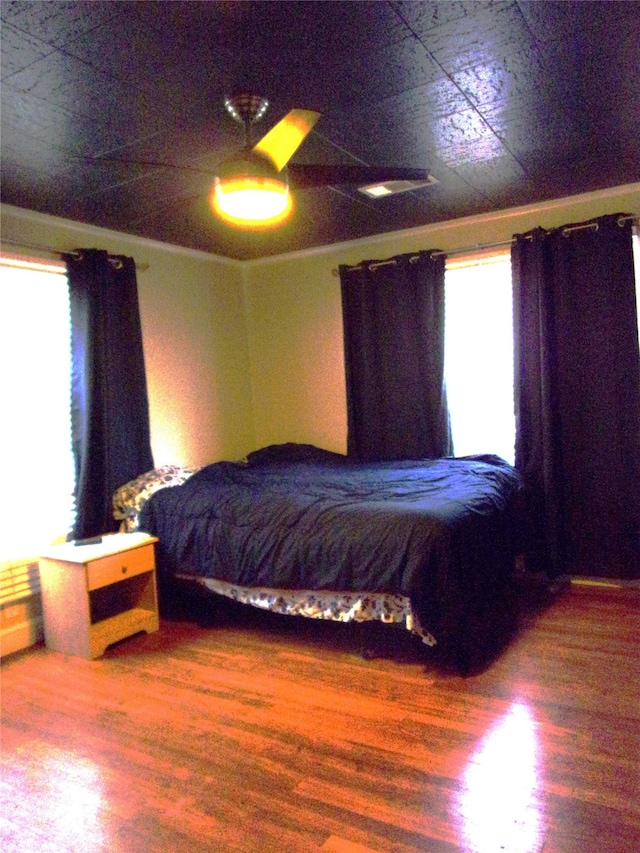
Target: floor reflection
74,802
498,807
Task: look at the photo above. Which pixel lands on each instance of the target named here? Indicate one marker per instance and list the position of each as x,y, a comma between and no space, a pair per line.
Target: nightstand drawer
117,567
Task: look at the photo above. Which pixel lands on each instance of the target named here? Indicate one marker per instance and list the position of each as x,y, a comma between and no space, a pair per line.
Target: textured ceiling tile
438,120
44,121
480,39
503,78
423,17
494,177
95,107
465,138
609,64
436,100
411,121
199,144
57,22
254,44
151,61
19,50
68,83
20,149
539,129
64,82
346,28
377,75
550,21
140,192
504,102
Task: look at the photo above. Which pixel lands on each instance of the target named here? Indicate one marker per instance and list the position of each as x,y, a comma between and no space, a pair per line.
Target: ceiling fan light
250,192
251,201
393,187
376,191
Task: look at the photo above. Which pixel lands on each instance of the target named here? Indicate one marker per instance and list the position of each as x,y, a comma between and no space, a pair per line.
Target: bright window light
37,504
479,356
636,264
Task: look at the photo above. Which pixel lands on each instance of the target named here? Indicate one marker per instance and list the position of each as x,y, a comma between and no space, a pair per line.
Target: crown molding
451,224
81,229
72,227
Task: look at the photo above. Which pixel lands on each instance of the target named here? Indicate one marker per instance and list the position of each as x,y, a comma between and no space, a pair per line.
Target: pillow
284,454
129,499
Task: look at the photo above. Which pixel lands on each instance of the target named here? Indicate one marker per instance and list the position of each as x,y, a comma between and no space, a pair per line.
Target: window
479,352
479,355
636,264
37,504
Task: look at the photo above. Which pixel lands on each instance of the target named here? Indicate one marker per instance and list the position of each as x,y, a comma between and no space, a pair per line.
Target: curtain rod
479,247
113,259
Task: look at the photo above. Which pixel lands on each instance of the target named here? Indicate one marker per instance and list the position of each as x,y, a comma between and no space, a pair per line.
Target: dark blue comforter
442,531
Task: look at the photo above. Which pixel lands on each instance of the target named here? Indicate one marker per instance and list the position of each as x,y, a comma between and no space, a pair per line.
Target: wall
295,322
194,335
294,318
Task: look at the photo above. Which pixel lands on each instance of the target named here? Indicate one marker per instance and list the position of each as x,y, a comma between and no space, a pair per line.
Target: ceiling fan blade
301,175
307,175
152,164
281,142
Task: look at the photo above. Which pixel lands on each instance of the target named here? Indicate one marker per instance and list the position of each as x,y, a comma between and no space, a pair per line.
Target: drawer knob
124,570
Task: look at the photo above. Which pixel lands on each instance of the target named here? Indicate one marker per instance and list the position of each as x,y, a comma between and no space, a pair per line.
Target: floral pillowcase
129,499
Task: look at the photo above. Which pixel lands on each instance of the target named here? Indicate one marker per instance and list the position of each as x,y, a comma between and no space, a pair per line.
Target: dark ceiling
506,103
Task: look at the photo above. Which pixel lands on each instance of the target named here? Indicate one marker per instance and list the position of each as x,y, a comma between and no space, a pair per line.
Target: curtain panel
577,397
110,412
393,322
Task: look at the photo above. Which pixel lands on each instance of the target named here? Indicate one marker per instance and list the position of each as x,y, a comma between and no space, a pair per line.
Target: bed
293,528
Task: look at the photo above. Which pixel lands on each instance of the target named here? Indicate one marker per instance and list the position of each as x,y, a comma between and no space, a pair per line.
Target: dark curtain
393,317
110,413
577,397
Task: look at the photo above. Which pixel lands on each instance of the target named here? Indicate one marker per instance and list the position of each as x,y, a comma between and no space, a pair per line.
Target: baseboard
606,583
21,636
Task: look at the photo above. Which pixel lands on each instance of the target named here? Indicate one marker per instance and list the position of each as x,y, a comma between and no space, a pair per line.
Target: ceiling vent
394,187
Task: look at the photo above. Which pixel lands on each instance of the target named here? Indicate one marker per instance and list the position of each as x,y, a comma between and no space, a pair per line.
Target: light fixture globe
249,191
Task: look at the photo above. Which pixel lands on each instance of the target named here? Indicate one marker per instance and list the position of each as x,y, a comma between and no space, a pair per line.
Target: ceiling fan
252,188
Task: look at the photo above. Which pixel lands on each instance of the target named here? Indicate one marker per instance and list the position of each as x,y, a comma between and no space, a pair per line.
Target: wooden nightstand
95,595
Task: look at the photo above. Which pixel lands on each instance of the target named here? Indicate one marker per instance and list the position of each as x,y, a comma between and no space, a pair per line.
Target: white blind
36,497
18,581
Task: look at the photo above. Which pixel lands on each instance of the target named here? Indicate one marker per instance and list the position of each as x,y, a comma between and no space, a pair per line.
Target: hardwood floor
268,735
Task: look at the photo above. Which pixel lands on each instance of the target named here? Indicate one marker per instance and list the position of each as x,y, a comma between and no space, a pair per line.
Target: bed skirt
323,604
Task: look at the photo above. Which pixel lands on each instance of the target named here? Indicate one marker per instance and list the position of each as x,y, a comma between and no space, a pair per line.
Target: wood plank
265,734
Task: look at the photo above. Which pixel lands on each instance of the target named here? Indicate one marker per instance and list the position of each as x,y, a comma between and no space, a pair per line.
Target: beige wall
194,333
295,322
297,368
